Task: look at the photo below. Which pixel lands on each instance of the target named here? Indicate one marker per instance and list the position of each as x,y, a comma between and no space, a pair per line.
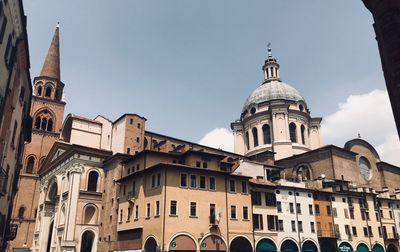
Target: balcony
328,234
391,236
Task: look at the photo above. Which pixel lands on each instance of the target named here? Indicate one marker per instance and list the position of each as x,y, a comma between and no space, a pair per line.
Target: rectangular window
272,222
148,210
244,187
328,210
365,232
257,221
245,213
312,226
183,180
300,224
204,164
157,208
347,229
354,230
212,214
136,212
370,231
153,181
198,163
232,187
291,208
193,181
317,212
233,212
310,210
256,198
212,183
298,208
158,183
172,210
390,214
270,199
279,206
121,213
128,217
202,182
293,226
379,231
280,225
351,214
346,213
334,212
193,209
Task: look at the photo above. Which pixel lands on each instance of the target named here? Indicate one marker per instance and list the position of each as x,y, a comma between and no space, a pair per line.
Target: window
128,217
21,212
298,208
291,208
92,182
245,213
310,210
266,133
351,214
379,231
39,91
30,164
198,163
202,182
212,183
183,180
173,208
121,213
256,198
193,209
14,134
255,136
244,187
157,208
270,199
136,212
48,91
390,214
328,210
293,226
138,125
346,213
257,221
232,187
365,232
3,23
158,182
193,181
317,212
346,229
153,181
272,222
204,164
128,150
334,212
280,225
279,206
354,230
212,214
233,212
370,231
247,140
148,210
292,131
312,226
303,139
300,225
377,216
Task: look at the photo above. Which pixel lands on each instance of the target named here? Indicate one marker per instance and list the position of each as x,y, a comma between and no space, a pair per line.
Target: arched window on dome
255,136
247,140
292,131
48,91
92,181
303,139
39,91
30,164
266,133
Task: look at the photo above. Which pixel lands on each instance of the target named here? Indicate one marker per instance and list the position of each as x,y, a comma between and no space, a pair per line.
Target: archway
213,243
362,248
182,243
378,248
150,245
289,246
392,248
345,247
328,246
241,244
87,241
309,246
266,245
49,237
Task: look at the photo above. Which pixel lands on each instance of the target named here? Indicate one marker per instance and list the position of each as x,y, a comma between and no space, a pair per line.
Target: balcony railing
328,234
391,236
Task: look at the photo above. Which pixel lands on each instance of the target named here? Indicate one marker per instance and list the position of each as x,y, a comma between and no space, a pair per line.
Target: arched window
303,173
38,122
50,125
303,139
44,121
30,164
39,91
57,94
266,133
21,212
92,181
44,124
90,215
53,192
255,136
247,140
48,91
292,131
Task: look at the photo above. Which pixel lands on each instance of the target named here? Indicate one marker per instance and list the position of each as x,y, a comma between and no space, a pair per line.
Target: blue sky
188,66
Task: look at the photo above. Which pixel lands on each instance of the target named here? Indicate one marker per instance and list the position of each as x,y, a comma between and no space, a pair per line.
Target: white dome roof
273,90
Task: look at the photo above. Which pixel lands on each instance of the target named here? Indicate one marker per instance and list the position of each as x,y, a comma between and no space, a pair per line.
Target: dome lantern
270,67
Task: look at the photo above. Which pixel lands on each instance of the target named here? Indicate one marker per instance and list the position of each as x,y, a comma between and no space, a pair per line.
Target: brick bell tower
47,111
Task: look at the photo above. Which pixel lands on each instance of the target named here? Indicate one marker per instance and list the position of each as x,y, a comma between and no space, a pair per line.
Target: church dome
272,90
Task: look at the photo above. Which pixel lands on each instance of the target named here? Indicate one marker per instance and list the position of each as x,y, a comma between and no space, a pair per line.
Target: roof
129,114
51,65
272,90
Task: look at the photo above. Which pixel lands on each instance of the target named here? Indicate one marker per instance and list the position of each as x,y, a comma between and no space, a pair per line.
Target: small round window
365,168
253,110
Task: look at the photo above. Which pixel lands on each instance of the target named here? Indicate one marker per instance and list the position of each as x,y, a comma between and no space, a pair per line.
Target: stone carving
76,168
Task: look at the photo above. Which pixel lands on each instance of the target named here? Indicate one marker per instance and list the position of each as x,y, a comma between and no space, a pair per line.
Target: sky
188,66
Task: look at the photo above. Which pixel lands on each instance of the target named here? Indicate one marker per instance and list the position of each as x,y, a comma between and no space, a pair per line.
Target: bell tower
47,111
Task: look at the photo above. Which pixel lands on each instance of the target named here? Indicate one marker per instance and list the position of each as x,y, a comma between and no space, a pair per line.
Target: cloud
369,115
221,138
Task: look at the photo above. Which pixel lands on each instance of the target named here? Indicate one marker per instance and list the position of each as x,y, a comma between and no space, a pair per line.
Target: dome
273,90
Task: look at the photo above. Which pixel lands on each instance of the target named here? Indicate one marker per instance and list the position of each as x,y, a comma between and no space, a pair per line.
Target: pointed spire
271,67
51,65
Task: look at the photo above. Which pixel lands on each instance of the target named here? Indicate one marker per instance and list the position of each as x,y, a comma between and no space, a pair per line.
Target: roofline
129,114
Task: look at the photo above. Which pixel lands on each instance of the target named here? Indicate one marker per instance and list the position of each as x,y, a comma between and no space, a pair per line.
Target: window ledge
173,215
193,217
